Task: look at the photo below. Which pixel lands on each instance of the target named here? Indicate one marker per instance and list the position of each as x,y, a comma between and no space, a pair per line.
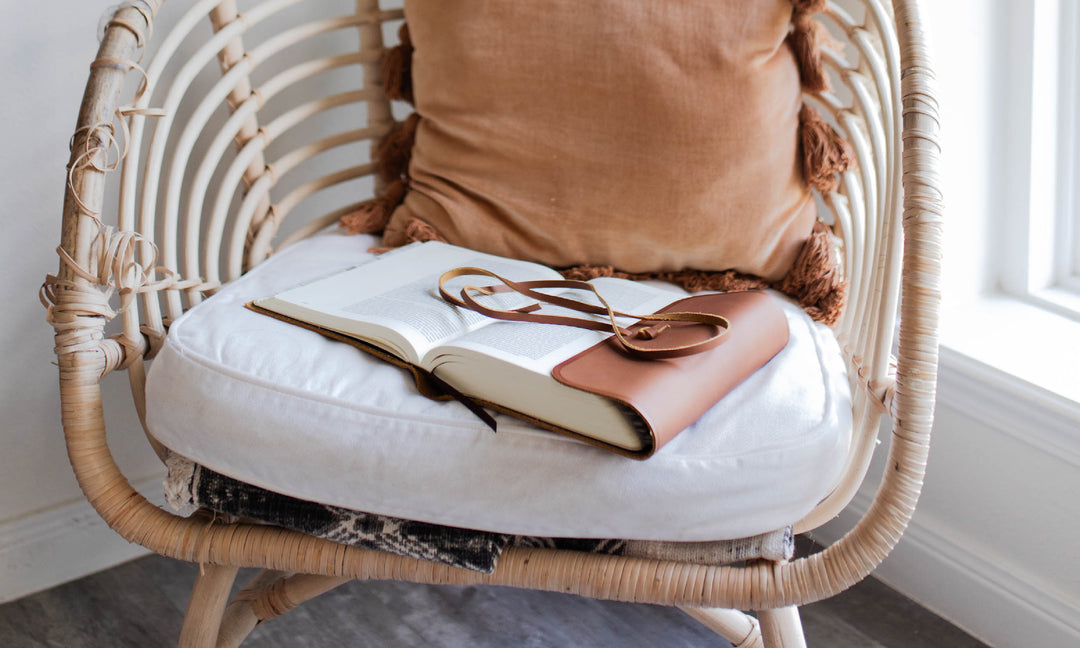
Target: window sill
1064,301
1014,349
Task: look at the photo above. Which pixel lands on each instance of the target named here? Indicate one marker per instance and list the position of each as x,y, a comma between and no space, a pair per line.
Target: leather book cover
671,394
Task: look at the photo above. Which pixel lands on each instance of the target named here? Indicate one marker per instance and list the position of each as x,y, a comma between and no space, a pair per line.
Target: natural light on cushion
284,408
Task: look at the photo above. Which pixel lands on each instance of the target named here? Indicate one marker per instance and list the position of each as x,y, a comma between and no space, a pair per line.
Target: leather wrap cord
528,313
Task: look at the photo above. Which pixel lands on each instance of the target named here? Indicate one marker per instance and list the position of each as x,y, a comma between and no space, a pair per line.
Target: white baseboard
951,577
61,544
962,568
1044,421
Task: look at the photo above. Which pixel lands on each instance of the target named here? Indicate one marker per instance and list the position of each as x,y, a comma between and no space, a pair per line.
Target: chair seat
288,410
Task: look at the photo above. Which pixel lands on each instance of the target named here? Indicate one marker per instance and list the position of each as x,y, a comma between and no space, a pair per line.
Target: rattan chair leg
270,594
239,618
782,628
741,629
206,605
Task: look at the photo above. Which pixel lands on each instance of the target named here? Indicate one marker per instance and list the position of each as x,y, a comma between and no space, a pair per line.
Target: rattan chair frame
137,268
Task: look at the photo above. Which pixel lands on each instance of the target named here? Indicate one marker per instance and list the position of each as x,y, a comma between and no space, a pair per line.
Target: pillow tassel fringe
815,280
392,157
690,280
372,216
397,68
825,153
418,230
805,39
394,151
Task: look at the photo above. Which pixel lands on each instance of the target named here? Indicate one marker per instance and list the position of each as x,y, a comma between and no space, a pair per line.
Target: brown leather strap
528,313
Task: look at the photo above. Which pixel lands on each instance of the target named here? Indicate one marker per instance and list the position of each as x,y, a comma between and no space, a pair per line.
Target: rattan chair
187,211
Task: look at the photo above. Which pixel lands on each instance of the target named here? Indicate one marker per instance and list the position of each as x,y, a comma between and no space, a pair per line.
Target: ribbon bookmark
468,402
529,313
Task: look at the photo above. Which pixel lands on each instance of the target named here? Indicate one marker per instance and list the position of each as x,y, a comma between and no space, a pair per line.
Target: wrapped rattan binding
892,247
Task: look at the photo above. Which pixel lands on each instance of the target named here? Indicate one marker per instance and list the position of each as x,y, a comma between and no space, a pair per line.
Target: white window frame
1069,161
1040,242
1010,179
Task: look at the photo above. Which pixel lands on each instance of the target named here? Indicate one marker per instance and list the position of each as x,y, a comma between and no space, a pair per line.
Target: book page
393,301
534,347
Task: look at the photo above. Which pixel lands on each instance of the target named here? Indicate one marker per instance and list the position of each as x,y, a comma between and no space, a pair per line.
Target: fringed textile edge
394,151
397,68
825,154
814,279
804,38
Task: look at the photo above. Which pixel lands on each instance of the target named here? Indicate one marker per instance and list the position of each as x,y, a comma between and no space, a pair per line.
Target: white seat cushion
291,411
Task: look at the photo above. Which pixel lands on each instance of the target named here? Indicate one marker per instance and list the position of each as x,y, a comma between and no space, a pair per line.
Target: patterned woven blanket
190,487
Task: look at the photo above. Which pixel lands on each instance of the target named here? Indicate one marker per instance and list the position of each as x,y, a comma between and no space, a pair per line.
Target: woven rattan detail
145,270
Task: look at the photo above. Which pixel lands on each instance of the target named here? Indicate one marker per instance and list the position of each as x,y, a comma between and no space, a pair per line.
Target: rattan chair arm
96,127
761,585
854,556
78,295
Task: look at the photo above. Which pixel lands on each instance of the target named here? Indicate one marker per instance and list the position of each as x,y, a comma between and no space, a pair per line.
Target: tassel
824,152
418,230
691,280
396,68
805,38
393,153
415,231
814,279
586,272
726,281
372,216
392,156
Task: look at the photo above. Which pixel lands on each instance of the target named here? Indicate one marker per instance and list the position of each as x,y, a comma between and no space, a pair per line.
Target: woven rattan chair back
201,151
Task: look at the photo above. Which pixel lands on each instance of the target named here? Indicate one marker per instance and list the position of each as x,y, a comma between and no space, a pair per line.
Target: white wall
46,535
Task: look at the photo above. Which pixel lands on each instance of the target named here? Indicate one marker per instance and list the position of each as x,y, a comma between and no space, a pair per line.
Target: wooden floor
140,604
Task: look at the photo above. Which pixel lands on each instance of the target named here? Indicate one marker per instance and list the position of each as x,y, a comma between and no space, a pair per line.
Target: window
1041,245
1009,89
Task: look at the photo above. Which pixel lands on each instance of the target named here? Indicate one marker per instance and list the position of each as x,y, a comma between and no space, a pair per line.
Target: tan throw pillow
645,137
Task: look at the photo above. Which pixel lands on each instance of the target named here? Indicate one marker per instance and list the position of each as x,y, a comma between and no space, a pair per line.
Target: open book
562,378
